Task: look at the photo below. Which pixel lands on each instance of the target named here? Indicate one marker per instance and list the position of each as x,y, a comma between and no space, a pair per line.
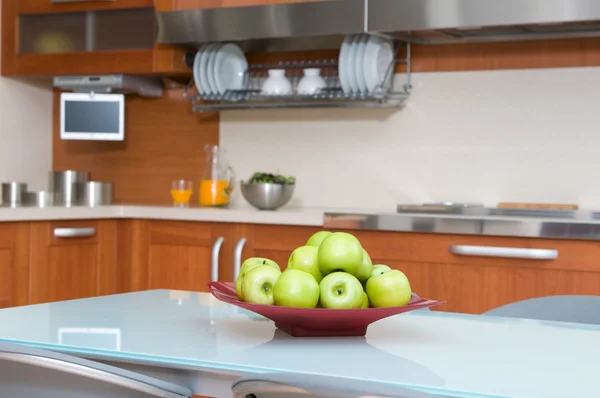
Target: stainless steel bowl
267,196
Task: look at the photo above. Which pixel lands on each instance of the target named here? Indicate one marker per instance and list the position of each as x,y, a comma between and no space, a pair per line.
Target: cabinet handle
237,257
214,266
74,232
508,252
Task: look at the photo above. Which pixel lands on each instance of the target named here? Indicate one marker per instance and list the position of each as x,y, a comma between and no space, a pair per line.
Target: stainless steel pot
98,194
68,187
13,193
38,199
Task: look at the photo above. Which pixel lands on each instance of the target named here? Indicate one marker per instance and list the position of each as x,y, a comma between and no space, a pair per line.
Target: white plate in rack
229,68
197,68
352,63
210,67
343,64
359,63
379,54
203,71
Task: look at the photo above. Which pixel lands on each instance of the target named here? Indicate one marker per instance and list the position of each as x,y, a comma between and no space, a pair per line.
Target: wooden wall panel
164,141
475,56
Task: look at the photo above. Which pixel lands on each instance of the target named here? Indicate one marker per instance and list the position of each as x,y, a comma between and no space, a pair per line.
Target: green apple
247,265
305,258
340,251
296,288
389,289
317,238
365,269
380,269
341,290
365,303
258,284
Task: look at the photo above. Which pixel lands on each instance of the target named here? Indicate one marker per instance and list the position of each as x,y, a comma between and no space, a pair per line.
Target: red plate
318,322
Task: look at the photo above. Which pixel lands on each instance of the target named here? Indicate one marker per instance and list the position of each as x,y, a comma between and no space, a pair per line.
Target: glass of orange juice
181,192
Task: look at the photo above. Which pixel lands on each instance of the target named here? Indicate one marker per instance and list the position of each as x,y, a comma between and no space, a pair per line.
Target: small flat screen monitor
99,117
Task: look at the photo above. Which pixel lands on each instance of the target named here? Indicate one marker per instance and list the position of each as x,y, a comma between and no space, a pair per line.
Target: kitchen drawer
436,248
72,259
66,232
50,6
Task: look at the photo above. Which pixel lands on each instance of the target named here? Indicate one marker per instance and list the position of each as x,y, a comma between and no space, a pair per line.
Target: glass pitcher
218,179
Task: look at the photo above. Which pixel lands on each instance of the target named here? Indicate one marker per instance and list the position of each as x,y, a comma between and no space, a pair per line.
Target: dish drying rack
385,95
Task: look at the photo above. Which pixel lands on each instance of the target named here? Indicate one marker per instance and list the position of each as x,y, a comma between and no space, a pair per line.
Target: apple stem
339,291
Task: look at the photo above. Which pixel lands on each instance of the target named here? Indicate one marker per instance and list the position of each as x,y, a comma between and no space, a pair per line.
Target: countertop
575,228
283,216
450,354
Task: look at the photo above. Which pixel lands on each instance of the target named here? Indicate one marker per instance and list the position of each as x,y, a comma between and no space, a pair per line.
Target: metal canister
68,187
38,199
98,193
13,193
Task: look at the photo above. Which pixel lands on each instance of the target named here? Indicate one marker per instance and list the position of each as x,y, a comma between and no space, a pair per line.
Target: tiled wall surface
490,136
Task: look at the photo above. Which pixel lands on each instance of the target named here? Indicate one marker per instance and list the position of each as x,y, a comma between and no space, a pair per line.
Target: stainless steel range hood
449,21
424,21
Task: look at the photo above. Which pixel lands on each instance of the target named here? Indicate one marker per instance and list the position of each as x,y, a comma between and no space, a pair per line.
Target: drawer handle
74,232
237,257
507,252
214,266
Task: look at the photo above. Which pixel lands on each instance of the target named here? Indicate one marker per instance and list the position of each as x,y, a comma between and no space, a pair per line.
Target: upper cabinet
62,37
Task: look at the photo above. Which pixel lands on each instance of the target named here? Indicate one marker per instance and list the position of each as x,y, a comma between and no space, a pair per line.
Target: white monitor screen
85,116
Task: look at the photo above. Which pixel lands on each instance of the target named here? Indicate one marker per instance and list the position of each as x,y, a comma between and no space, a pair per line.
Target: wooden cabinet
72,259
42,38
46,261
173,255
477,284
14,264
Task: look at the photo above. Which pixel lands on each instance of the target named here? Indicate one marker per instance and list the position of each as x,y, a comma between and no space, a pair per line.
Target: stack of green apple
332,270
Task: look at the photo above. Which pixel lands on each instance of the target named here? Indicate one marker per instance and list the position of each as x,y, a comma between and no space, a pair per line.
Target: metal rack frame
332,96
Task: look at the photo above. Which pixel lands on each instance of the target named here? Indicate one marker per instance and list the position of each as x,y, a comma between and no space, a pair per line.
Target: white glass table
196,341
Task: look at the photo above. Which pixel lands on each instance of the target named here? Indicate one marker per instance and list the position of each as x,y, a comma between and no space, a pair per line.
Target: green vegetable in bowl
267,178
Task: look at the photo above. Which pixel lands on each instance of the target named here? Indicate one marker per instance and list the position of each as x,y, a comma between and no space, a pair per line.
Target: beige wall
25,132
526,135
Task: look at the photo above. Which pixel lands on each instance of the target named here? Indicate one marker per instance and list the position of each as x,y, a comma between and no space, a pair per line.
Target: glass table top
445,353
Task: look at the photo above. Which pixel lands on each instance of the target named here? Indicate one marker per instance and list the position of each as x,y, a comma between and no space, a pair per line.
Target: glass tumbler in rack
181,192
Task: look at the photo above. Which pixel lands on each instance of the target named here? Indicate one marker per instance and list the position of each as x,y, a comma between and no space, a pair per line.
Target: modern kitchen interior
294,198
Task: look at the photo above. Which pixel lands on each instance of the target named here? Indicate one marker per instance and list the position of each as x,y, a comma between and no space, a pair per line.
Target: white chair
283,385
35,373
579,309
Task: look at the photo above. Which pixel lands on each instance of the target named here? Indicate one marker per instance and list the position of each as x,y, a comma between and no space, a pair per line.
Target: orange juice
181,196
214,193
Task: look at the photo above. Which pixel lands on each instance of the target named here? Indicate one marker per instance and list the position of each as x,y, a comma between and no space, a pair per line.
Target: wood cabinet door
174,255
41,38
475,284
72,259
48,6
14,264
477,288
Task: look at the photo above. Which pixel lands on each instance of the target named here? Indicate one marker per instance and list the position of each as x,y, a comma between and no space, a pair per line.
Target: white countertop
283,216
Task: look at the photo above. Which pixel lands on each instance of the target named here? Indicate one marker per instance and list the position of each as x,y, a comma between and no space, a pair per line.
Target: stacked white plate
220,67
365,62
